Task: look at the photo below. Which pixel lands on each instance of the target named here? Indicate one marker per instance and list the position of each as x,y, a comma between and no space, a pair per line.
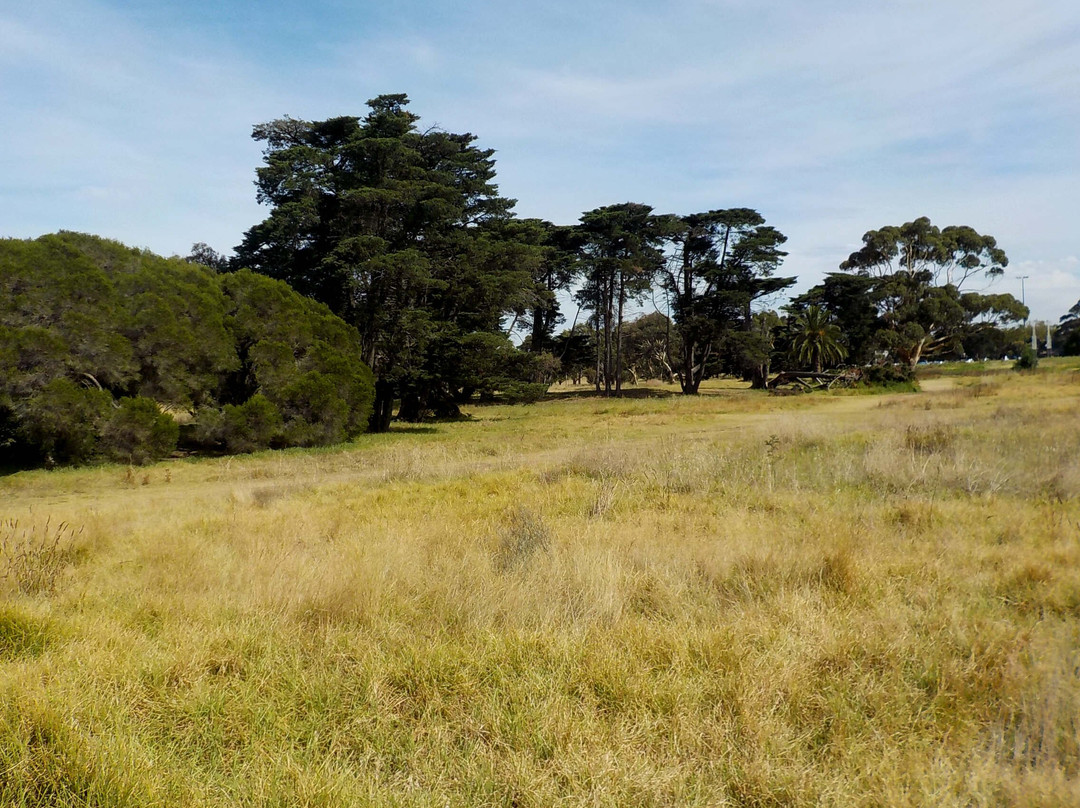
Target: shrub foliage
100,344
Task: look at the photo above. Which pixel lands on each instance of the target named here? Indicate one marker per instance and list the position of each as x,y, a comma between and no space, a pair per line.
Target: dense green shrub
1028,359
63,421
250,426
898,377
302,358
523,392
86,322
139,432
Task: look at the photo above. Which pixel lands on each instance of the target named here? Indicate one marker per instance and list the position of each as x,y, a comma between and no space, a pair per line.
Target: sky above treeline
132,119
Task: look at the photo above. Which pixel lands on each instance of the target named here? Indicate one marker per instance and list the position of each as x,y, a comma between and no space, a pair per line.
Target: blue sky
132,118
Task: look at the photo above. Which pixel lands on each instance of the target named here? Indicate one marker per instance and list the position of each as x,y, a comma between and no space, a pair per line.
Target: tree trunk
383,409
539,330
411,409
760,378
618,337
609,313
599,350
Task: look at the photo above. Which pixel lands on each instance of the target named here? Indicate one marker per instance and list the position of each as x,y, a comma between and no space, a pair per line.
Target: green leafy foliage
99,343
139,432
913,276
651,343
402,233
724,261
1068,333
817,340
1028,359
63,421
621,252
301,358
250,426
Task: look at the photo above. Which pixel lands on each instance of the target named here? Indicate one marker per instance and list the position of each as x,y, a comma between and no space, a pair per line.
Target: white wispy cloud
831,117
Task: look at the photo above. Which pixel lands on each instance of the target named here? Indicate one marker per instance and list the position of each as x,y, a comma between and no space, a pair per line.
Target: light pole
1023,300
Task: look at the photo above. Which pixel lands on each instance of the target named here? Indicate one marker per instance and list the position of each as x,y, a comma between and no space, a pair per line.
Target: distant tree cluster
403,234
902,297
1068,333
102,347
412,274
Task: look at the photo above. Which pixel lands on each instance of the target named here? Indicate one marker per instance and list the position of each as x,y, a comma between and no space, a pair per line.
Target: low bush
899,378
524,392
250,426
139,432
1028,359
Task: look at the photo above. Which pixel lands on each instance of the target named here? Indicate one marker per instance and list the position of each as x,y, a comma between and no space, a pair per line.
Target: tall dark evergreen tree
723,262
622,250
401,232
1068,333
554,268
851,302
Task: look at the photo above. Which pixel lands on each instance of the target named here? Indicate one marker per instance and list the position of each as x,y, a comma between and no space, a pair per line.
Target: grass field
733,599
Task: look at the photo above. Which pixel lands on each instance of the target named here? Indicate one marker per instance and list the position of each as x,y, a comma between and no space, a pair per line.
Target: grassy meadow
734,599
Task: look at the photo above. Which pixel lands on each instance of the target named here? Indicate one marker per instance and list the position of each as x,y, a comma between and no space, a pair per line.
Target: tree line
402,232
390,275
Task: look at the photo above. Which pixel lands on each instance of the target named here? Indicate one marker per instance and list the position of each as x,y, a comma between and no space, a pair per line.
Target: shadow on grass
632,393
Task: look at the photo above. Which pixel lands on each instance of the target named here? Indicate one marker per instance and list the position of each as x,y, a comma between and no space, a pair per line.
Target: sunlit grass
734,599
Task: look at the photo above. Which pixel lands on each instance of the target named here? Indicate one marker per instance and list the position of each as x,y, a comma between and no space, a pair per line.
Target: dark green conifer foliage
401,232
98,341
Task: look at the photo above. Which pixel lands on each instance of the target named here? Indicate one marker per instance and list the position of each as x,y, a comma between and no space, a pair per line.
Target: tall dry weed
34,558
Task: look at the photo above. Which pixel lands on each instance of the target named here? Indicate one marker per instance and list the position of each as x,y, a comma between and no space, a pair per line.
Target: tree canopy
915,275
100,341
1068,335
402,233
722,263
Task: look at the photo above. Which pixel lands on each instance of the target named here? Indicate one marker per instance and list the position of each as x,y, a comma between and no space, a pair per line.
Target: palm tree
817,340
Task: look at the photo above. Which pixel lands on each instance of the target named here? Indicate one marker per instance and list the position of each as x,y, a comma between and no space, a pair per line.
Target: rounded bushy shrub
250,426
139,432
1028,359
315,413
64,421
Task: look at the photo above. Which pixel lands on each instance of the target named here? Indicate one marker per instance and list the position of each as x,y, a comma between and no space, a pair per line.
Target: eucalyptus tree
918,273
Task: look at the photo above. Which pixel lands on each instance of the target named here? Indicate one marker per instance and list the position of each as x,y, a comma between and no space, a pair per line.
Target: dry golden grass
729,600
